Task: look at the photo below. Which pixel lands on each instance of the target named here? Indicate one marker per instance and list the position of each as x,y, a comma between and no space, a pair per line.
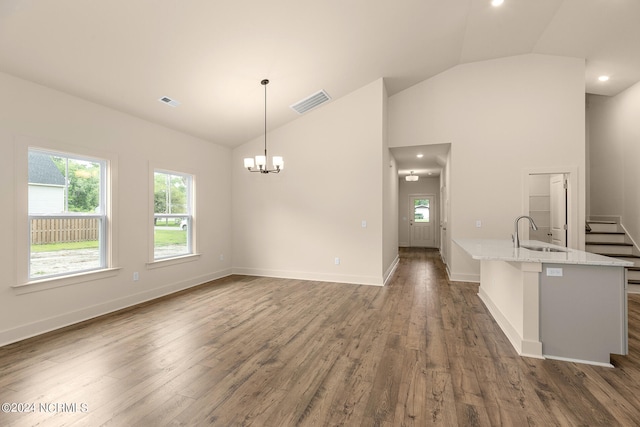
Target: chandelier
411,177
261,161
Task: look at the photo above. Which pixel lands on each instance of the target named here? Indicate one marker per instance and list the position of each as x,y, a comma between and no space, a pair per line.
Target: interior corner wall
502,117
322,217
31,112
389,199
614,156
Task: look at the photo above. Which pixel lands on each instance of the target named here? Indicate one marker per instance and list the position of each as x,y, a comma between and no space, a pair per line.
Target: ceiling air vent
311,102
169,101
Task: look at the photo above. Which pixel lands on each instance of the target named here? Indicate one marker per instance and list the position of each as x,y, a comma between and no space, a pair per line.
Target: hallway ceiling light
261,161
420,156
603,78
411,177
496,3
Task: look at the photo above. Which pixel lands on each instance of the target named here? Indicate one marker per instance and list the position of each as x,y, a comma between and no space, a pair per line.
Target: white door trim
575,239
435,213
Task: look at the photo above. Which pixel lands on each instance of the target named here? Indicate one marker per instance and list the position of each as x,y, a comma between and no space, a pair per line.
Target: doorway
558,206
548,204
422,211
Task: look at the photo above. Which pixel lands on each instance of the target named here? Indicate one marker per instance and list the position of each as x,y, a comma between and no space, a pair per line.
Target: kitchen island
554,302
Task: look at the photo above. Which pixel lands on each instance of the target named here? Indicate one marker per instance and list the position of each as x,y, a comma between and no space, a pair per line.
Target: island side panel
504,287
583,312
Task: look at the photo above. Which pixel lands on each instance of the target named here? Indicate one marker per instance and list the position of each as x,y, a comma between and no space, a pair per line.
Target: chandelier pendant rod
265,82
262,163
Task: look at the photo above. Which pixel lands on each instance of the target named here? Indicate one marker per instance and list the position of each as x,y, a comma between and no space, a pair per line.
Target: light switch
364,223
478,223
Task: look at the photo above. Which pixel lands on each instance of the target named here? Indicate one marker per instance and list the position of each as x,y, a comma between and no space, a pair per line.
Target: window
172,217
67,214
421,210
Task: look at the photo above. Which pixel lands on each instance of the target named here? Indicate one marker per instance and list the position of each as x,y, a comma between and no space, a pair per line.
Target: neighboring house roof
42,170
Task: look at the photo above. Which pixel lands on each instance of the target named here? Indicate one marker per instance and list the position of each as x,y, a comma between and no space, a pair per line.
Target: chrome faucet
515,237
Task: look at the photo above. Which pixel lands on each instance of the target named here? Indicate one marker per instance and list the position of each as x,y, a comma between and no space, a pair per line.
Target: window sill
57,282
172,261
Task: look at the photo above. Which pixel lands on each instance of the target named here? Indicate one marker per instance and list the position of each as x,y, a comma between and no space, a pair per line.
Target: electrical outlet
478,223
554,272
337,261
221,257
136,276
364,223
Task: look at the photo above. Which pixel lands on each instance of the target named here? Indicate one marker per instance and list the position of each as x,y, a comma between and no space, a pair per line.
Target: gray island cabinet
554,302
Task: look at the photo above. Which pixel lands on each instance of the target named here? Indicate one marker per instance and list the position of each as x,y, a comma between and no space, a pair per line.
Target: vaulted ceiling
211,55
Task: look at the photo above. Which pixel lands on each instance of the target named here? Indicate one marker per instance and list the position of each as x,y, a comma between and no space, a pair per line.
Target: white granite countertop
494,249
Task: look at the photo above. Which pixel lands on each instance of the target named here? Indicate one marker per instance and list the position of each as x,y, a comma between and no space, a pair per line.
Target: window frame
101,216
23,282
191,253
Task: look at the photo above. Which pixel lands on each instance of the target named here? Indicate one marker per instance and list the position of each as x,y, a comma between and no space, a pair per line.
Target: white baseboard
391,269
39,327
586,362
512,335
303,275
636,249
461,277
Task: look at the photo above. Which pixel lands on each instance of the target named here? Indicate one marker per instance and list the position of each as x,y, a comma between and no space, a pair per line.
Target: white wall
614,157
34,114
422,186
389,199
296,223
501,117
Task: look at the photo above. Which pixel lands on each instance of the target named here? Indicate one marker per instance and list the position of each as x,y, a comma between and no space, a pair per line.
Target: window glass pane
84,186
421,210
66,216
60,246
172,215
62,184
47,183
170,193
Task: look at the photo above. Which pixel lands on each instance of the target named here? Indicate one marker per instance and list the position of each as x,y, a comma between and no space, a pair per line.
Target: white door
421,221
558,206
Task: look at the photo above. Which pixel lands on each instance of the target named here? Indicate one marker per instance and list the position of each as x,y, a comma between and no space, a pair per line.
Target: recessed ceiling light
496,2
603,78
420,156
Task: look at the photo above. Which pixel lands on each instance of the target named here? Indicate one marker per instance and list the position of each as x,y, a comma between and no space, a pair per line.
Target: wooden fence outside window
65,230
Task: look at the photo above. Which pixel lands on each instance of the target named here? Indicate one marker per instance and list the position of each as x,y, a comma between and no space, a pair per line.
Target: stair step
610,250
606,232
633,289
633,274
605,238
633,282
602,226
610,243
623,257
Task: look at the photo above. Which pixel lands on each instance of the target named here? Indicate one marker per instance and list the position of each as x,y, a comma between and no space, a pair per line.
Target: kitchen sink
543,249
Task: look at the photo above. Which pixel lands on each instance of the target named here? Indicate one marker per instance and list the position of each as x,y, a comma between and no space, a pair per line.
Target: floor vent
169,101
311,102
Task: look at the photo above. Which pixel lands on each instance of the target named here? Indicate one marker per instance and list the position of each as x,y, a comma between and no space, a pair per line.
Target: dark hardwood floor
272,352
